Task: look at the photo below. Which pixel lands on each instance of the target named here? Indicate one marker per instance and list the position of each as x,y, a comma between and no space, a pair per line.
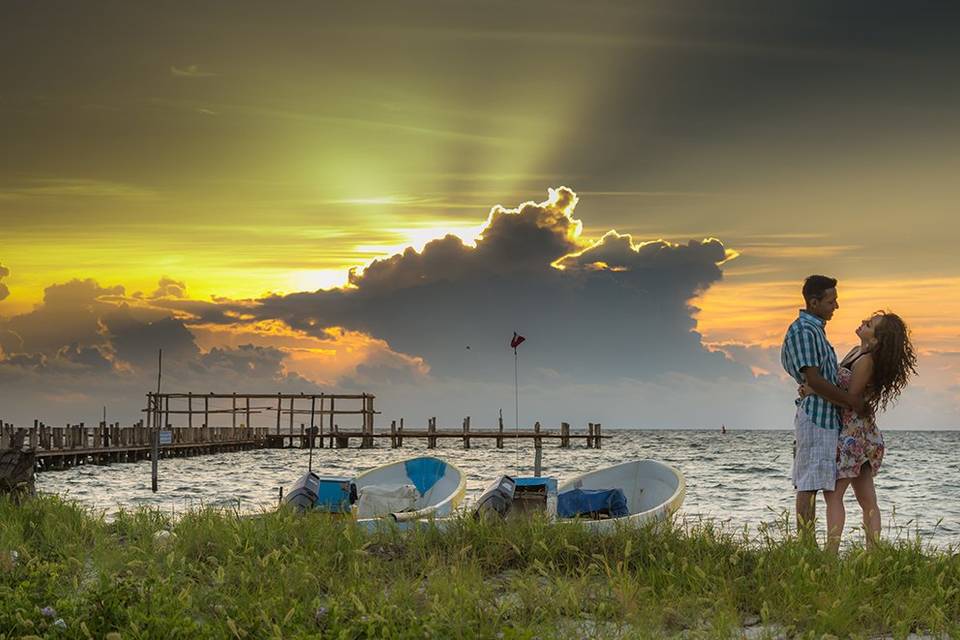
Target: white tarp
374,500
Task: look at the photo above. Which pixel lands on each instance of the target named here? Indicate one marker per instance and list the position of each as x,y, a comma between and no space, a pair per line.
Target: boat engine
497,499
323,493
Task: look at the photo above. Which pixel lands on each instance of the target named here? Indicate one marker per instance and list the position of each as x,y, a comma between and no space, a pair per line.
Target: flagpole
516,405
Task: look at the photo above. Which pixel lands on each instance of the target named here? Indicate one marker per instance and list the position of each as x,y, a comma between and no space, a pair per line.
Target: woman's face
867,329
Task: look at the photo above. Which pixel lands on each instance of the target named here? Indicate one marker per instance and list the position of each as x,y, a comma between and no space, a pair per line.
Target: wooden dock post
332,413
233,412
537,458
564,435
278,412
343,442
590,435
400,434
537,440
366,442
597,438
393,434
320,445
431,433
291,421
500,430
249,424
466,432
313,405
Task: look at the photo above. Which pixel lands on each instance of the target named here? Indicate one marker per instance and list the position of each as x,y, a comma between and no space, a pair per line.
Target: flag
517,339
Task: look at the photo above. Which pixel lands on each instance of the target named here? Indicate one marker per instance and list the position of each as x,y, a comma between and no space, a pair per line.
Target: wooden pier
188,424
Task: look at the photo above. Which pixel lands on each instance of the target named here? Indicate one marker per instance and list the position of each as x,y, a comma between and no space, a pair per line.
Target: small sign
166,437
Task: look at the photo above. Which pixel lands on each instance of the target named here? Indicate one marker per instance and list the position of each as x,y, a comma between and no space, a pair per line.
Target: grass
66,572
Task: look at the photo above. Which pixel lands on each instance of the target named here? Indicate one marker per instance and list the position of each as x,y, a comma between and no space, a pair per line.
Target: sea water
740,479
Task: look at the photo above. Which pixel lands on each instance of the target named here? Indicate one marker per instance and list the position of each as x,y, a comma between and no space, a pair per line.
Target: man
808,357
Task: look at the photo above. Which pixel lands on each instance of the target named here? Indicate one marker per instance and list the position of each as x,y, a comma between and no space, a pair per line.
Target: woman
873,374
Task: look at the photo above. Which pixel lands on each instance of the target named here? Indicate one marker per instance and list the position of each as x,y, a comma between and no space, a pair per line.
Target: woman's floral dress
860,440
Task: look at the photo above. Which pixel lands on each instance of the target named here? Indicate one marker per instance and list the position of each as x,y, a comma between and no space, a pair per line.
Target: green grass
283,575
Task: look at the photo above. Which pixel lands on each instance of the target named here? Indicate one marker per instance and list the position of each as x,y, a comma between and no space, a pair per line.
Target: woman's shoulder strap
851,357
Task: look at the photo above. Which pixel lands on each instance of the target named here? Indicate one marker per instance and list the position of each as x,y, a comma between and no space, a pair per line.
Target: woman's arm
862,374
832,393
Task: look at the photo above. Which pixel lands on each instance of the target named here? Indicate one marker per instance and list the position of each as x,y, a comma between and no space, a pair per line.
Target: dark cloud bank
601,320
612,311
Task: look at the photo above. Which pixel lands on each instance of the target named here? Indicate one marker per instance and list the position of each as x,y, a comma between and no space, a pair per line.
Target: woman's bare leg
866,493
836,514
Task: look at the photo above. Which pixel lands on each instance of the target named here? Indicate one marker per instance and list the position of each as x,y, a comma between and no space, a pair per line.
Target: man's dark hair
814,287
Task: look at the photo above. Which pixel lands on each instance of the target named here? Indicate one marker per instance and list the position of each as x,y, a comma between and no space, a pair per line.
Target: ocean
740,479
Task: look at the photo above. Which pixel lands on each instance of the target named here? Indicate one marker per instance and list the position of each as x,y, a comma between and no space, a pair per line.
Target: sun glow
418,237
316,279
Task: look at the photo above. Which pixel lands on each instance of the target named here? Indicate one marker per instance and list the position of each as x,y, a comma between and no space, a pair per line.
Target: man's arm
831,392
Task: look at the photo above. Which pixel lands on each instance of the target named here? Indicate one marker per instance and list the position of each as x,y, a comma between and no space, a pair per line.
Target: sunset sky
637,187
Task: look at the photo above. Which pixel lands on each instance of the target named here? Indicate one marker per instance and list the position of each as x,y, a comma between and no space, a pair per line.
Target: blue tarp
585,502
425,472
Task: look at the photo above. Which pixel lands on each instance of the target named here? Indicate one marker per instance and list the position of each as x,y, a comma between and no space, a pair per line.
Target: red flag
517,339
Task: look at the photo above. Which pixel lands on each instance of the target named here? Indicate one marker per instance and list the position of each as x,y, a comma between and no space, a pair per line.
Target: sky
374,197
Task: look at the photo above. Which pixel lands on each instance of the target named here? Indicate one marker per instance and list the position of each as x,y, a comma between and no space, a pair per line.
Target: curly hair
894,361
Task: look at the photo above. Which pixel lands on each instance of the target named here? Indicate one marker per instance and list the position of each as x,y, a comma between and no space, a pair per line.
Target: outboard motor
323,493
497,499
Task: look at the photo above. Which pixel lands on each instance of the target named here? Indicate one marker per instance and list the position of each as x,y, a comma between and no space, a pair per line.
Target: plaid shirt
806,345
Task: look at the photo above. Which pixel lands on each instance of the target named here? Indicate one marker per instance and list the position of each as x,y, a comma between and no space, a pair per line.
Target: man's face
825,306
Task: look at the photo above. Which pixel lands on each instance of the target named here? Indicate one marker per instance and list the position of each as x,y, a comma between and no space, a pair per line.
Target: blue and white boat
414,489
631,493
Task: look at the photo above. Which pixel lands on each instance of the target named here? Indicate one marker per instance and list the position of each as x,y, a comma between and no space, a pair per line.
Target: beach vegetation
69,572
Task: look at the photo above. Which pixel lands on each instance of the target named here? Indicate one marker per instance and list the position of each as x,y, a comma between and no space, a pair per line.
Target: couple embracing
838,444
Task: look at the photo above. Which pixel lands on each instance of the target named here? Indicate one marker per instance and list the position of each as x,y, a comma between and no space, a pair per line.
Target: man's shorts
815,459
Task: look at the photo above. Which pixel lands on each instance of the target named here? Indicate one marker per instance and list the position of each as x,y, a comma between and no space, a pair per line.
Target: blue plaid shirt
806,345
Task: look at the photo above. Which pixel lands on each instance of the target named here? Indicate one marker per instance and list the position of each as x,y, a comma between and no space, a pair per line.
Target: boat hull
654,491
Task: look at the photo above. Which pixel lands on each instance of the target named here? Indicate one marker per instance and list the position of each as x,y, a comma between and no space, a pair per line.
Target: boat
651,490
408,490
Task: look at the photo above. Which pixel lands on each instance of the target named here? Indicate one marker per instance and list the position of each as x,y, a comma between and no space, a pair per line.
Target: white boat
414,489
653,491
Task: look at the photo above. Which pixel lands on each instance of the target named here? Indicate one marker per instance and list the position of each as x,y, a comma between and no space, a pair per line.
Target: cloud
87,345
603,310
69,313
88,358
4,291
191,71
77,188
170,288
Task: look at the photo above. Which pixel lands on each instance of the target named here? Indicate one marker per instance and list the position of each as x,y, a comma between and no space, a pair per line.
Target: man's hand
805,390
831,392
